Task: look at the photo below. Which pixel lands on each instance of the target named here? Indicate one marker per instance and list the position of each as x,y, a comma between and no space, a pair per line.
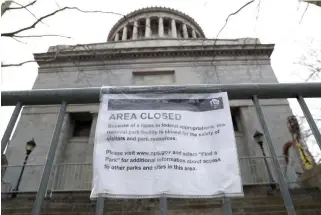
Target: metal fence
78,176
72,176
92,95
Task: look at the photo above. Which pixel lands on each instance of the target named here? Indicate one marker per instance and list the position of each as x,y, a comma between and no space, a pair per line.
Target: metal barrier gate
91,95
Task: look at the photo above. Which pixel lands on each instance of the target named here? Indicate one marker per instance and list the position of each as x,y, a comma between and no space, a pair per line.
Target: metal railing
72,177
78,176
92,95
255,170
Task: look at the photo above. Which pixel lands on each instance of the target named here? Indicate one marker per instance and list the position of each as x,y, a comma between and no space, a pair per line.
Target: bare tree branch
24,7
17,64
257,15
304,13
310,59
314,73
305,128
57,4
214,71
43,35
21,6
258,10
18,40
232,14
48,60
11,34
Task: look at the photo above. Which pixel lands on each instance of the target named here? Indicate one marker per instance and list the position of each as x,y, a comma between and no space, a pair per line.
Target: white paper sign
165,145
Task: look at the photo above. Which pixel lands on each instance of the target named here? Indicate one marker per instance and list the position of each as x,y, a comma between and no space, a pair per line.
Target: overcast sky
272,21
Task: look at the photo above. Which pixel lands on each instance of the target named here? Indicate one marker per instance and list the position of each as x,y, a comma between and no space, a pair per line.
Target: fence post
11,124
49,163
100,206
227,206
163,205
282,183
308,116
53,183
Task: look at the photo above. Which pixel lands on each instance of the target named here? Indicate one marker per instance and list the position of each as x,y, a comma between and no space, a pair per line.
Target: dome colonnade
155,22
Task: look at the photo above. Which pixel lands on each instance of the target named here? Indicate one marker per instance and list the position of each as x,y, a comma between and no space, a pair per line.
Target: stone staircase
306,202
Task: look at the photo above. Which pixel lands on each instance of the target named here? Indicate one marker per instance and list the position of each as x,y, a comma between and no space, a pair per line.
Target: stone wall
193,72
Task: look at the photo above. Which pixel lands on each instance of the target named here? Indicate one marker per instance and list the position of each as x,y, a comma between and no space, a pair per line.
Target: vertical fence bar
163,205
100,205
49,163
282,183
308,116
227,206
11,124
54,180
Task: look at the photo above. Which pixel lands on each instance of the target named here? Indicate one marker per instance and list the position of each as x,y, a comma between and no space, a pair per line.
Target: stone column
160,27
135,30
91,140
93,128
185,31
117,37
147,27
174,32
124,37
193,33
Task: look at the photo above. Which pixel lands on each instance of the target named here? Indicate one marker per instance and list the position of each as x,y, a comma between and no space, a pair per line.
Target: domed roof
155,22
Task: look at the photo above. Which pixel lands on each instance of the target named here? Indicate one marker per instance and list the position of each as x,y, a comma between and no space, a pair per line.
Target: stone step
89,213
274,201
91,207
173,212
274,198
272,208
302,205
63,206
283,212
116,204
80,204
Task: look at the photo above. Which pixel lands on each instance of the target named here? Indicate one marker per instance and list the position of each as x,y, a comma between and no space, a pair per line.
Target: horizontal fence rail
91,95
